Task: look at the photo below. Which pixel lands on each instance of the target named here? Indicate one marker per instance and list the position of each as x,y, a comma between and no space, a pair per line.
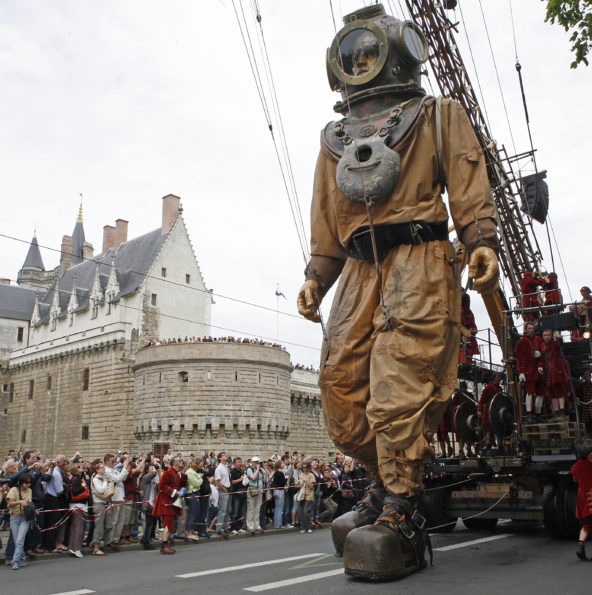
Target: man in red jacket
556,377
582,475
528,365
171,482
529,286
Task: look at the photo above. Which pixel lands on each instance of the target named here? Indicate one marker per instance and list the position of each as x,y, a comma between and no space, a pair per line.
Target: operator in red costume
169,488
468,330
529,285
556,376
489,391
584,394
582,475
552,293
529,368
443,432
390,355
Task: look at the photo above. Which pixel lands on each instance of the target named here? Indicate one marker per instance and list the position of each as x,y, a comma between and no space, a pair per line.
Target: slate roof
33,258
132,262
16,302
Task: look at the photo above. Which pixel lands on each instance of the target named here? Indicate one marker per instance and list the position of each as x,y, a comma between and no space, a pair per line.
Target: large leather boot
165,549
364,513
391,548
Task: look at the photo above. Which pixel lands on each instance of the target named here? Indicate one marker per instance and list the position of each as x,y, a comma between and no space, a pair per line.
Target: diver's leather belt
389,236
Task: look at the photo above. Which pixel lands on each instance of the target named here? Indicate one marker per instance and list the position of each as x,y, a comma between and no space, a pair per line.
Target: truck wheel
479,524
432,506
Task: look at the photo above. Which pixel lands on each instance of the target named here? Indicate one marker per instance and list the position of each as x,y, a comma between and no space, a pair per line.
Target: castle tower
32,273
78,239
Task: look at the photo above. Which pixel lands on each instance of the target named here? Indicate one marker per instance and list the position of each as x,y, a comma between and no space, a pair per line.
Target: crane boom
519,249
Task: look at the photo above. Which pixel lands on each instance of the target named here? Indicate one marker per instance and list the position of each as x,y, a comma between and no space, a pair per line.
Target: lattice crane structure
519,249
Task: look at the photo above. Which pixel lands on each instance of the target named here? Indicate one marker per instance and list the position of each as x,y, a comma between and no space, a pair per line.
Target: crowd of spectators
63,505
210,339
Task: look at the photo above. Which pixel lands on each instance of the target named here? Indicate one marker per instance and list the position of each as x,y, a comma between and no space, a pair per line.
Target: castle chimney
66,255
108,238
120,234
170,212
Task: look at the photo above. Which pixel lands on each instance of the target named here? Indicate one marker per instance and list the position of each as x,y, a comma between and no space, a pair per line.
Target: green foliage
575,16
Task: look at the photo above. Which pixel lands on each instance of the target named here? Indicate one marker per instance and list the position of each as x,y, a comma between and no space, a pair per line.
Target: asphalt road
514,558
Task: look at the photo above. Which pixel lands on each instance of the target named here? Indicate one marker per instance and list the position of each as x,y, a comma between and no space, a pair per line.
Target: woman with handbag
254,494
102,490
79,495
22,512
306,497
278,483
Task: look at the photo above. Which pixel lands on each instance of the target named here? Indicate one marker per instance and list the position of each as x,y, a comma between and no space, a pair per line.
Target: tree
575,16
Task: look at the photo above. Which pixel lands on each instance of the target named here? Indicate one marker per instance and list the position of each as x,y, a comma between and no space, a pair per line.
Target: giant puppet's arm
471,205
327,256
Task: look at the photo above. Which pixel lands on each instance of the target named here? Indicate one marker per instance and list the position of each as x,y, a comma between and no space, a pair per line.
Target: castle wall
242,398
229,396
52,415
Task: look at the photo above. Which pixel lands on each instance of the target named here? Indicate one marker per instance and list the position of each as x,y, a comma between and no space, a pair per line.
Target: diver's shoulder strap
441,174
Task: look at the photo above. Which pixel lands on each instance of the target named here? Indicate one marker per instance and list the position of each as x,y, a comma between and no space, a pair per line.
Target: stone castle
76,374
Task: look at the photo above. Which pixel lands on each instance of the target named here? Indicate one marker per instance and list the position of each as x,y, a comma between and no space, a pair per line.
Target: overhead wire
476,71
497,76
163,280
247,43
285,167
548,221
181,319
278,112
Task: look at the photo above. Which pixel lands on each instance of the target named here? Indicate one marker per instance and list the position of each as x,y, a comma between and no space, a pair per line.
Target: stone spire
78,239
33,259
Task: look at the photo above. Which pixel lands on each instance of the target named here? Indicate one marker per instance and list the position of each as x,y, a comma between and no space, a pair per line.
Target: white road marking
294,581
79,592
457,546
244,566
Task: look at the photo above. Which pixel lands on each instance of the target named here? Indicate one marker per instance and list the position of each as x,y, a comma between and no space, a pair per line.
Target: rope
471,516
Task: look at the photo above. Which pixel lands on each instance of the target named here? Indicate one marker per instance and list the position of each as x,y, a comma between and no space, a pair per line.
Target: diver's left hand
483,269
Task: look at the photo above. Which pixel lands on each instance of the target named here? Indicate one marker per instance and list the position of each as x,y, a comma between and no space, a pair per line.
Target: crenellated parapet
233,394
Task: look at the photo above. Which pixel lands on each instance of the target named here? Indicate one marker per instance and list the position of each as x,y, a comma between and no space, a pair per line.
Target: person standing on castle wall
117,474
171,483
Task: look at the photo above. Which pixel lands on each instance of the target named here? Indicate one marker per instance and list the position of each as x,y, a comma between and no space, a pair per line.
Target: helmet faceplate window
358,53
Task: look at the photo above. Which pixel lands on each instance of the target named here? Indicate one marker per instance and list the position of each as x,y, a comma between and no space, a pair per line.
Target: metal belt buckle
407,532
357,241
419,519
414,229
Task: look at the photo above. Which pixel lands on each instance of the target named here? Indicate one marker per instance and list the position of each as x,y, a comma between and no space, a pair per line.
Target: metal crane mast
517,253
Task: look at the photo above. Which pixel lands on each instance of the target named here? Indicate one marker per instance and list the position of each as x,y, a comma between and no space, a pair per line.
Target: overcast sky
125,102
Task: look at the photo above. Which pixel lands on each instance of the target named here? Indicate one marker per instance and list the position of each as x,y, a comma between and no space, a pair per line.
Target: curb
179,542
